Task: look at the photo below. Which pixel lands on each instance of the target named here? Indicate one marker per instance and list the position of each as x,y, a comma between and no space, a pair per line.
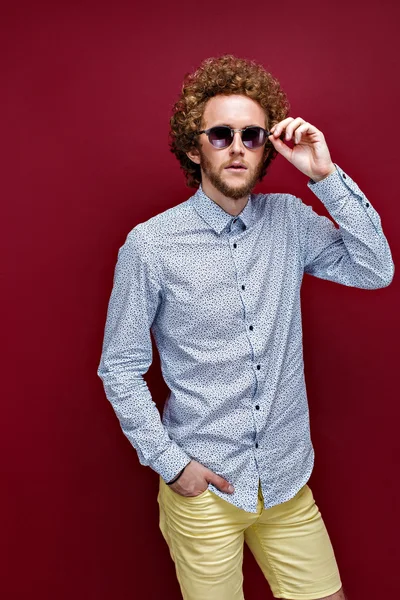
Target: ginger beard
221,183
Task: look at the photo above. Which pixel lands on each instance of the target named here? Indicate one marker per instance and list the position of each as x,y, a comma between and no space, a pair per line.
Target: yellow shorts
289,541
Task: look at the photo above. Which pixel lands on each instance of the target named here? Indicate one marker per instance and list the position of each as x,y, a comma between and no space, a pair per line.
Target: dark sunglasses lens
253,137
220,137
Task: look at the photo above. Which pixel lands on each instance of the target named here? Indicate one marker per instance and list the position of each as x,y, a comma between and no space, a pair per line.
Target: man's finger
221,483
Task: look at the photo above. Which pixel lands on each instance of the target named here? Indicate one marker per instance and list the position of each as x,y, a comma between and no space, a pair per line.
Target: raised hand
310,152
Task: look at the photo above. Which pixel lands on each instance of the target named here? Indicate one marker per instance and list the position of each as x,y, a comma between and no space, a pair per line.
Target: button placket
251,328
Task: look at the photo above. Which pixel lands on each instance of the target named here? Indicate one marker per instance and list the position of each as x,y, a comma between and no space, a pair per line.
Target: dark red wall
82,86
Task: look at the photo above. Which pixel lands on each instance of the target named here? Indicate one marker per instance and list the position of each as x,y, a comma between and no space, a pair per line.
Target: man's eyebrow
229,125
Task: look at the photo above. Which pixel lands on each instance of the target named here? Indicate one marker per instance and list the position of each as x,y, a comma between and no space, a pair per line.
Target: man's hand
195,479
310,153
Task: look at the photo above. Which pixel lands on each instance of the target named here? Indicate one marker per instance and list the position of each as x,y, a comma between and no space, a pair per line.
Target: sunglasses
221,136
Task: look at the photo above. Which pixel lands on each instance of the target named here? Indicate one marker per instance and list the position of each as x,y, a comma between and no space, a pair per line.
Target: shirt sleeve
127,354
357,253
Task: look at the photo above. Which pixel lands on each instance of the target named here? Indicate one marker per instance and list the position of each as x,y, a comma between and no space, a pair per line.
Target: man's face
237,111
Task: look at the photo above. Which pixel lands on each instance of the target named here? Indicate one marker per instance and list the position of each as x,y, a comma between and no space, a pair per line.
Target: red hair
227,75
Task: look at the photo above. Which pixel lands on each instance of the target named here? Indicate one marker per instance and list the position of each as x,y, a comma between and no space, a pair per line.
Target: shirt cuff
171,462
335,189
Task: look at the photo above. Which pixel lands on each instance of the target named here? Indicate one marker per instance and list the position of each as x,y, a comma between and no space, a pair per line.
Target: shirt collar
216,216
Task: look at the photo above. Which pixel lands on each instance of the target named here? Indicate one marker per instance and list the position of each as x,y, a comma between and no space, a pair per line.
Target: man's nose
237,144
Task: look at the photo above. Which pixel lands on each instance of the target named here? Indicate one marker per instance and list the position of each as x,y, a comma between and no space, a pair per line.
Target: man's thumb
221,483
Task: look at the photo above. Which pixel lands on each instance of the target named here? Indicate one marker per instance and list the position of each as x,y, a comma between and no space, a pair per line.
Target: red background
83,84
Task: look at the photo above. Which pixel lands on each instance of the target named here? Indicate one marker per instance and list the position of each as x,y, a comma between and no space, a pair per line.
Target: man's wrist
317,179
177,477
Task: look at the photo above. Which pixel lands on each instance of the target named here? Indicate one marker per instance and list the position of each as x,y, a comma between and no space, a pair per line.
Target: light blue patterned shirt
221,295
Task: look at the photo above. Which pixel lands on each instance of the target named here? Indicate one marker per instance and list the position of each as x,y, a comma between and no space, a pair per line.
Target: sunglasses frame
232,132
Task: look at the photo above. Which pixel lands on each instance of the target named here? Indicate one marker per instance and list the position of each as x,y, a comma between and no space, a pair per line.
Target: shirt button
234,245
251,327
242,287
258,367
256,444
367,204
257,407
234,220
344,175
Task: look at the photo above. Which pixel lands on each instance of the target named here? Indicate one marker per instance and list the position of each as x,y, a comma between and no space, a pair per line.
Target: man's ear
194,155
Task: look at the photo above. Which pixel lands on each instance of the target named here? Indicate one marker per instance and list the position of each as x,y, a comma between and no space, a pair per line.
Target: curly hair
226,75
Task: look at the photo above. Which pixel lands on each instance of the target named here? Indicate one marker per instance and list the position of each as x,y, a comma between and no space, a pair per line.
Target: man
217,280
